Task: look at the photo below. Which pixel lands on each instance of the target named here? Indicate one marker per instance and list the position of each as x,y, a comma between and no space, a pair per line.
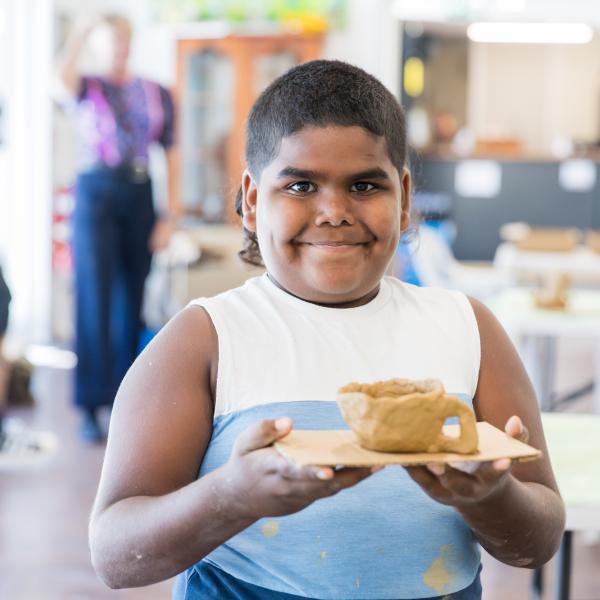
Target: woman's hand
86,23
458,488
161,234
259,482
68,60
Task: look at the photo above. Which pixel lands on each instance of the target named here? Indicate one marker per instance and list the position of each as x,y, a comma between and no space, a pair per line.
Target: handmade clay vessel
403,415
554,295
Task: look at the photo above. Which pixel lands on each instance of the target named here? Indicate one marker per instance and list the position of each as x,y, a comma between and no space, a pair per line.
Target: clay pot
403,415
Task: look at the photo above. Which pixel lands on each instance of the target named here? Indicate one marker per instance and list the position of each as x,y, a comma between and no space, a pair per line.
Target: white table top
516,310
574,446
581,263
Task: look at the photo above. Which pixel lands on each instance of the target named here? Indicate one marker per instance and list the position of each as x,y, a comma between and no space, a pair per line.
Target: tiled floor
44,511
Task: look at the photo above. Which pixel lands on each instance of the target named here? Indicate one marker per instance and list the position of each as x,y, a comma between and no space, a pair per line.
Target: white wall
25,188
535,92
4,90
371,41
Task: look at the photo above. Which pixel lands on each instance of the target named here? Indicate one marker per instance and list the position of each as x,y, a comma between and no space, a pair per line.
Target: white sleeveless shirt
282,356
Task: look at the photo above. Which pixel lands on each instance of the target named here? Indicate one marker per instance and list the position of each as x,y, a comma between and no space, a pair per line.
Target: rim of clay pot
394,387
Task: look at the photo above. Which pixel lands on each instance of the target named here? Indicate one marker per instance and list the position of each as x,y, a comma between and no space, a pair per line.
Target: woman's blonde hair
119,21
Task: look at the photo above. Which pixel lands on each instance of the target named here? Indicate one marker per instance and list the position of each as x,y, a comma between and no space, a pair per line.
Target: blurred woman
115,228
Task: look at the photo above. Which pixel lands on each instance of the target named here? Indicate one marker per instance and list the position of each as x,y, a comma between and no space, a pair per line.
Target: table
534,332
574,447
582,263
200,260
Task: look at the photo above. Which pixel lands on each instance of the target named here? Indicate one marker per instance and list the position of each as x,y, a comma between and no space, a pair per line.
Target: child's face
328,212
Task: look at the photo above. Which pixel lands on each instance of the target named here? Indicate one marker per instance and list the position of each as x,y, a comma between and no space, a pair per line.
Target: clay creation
554,295
403,415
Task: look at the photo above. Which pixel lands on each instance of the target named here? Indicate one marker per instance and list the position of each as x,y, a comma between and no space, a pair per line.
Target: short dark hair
319,93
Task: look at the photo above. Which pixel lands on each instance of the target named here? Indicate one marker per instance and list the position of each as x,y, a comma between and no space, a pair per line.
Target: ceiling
465,11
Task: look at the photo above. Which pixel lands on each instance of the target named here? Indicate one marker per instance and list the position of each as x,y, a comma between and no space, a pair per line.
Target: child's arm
152,518
515,511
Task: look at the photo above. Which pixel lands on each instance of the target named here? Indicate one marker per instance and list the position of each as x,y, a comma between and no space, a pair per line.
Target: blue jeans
112,222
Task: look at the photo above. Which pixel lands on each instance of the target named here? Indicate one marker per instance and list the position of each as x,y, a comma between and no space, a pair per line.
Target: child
191,484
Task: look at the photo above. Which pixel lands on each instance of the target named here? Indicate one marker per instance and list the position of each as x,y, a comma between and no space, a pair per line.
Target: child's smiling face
328,212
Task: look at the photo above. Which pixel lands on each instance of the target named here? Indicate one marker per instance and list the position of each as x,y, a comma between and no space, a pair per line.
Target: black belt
134,173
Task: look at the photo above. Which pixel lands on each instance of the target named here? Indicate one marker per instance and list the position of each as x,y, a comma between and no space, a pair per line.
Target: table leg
529,352
548,364
596,405
563,579
538,353
537,584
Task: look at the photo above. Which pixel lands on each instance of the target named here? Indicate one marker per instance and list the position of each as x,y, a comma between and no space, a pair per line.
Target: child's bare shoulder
187,346
177,370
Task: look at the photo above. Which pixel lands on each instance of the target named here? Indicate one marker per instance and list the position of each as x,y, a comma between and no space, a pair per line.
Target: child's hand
457,488
260,482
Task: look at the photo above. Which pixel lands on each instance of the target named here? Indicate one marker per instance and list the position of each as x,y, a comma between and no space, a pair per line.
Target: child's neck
349,304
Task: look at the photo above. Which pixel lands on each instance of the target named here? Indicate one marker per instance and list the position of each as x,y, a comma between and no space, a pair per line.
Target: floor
44,511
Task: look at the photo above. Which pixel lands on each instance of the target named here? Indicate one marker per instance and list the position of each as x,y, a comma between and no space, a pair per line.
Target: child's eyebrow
300,173
375,173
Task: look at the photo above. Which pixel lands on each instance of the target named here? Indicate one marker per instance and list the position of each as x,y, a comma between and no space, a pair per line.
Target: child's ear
249,194
406,186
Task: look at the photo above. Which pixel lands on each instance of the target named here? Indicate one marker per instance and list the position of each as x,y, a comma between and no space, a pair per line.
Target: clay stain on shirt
270,529
438,576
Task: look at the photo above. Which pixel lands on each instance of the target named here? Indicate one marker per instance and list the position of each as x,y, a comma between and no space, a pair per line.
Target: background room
502,100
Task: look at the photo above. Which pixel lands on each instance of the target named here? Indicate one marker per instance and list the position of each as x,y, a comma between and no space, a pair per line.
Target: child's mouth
335,246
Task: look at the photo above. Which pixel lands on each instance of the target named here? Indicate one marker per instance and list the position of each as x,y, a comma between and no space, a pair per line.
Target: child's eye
362,187
302,187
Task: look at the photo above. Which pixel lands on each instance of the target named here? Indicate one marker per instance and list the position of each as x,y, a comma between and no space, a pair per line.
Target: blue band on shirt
207,582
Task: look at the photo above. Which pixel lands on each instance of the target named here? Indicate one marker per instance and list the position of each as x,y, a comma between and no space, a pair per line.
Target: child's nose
334,209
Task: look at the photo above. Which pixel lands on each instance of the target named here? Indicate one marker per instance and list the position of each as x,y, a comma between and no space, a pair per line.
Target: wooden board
340,447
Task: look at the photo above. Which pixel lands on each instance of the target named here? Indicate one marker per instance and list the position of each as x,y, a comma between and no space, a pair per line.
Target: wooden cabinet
217,82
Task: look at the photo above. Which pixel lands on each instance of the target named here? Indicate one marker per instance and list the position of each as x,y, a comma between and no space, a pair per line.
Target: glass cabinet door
218,81
268,67
207,118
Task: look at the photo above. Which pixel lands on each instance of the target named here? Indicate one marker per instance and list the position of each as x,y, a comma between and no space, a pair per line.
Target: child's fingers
471,486
302,485
458,483
492,470
348,477
319,473
515,428
350,474
289,470
261,434
428,481
271,461
341,480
